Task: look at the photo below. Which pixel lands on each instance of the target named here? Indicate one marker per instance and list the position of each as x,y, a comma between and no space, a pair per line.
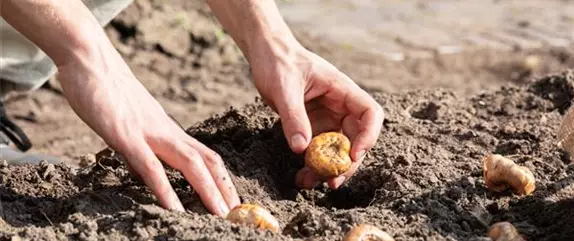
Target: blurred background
178,50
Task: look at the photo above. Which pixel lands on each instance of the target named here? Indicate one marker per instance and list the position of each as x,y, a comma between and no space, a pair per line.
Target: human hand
312,96
106,95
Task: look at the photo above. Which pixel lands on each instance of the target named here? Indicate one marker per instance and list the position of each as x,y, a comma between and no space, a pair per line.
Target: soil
422,181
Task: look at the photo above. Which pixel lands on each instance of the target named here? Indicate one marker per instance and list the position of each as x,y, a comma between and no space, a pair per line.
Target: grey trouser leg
23,66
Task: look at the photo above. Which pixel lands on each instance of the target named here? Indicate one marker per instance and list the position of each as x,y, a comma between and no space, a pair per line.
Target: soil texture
422,181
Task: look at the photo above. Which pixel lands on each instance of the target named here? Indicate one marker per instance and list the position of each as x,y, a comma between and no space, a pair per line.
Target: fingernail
298,141
179,207
339,181
361,155
223,208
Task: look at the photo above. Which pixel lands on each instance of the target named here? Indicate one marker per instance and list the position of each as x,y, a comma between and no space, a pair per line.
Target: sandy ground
421,182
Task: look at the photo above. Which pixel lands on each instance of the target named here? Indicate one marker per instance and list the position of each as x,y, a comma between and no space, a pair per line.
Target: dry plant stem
328,155
504,231
501,172
254,216
366,232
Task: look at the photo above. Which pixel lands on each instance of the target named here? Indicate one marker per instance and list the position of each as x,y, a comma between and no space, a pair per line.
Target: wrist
277,44
89,46
255,25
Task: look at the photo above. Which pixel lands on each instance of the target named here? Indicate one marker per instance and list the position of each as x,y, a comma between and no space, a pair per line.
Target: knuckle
148,167
189,159
213,159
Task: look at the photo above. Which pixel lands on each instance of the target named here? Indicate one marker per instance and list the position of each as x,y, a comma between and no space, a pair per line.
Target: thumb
294,119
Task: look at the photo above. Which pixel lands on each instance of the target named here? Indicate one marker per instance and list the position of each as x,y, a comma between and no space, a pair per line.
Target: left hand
312,96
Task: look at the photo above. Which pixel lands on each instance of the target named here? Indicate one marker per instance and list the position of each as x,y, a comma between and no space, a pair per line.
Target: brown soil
422,181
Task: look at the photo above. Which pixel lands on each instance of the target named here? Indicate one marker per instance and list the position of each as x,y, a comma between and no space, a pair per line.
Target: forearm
88,65
64,29
253,23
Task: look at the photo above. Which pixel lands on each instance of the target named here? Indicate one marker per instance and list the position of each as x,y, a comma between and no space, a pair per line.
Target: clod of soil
422,180
328,155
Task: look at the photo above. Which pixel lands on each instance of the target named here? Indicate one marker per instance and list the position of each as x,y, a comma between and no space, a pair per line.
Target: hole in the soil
347,198
425,111
358,192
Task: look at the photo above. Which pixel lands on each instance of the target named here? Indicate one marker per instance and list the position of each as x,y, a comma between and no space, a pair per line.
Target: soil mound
182,55
423,179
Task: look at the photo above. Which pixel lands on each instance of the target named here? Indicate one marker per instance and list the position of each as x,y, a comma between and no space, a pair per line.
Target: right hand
106,95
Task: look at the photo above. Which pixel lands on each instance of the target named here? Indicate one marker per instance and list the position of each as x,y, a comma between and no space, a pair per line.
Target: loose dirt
422,181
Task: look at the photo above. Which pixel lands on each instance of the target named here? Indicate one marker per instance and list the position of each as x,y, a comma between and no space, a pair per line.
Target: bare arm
309,94
103,91
252,23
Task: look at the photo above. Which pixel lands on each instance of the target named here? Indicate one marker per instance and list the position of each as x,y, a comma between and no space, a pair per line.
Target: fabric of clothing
23,66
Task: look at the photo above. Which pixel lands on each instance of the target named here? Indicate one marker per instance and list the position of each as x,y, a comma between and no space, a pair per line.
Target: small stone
152,211
3,163
433,179
509,129
543,119
87,160
43,165
48,171
46,185
15,238
406,159
142,233
67,228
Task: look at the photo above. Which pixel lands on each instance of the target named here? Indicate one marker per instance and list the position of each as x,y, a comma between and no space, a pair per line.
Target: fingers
369,116
336,182
296,127
306,179
146,164
191,164
219,173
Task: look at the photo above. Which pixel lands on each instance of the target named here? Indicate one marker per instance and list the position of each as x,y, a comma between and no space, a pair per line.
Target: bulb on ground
366,232
254,216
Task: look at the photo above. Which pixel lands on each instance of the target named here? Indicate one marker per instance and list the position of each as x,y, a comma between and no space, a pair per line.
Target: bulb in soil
501,173
254,216
328,155
504,231
566,133
366,232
